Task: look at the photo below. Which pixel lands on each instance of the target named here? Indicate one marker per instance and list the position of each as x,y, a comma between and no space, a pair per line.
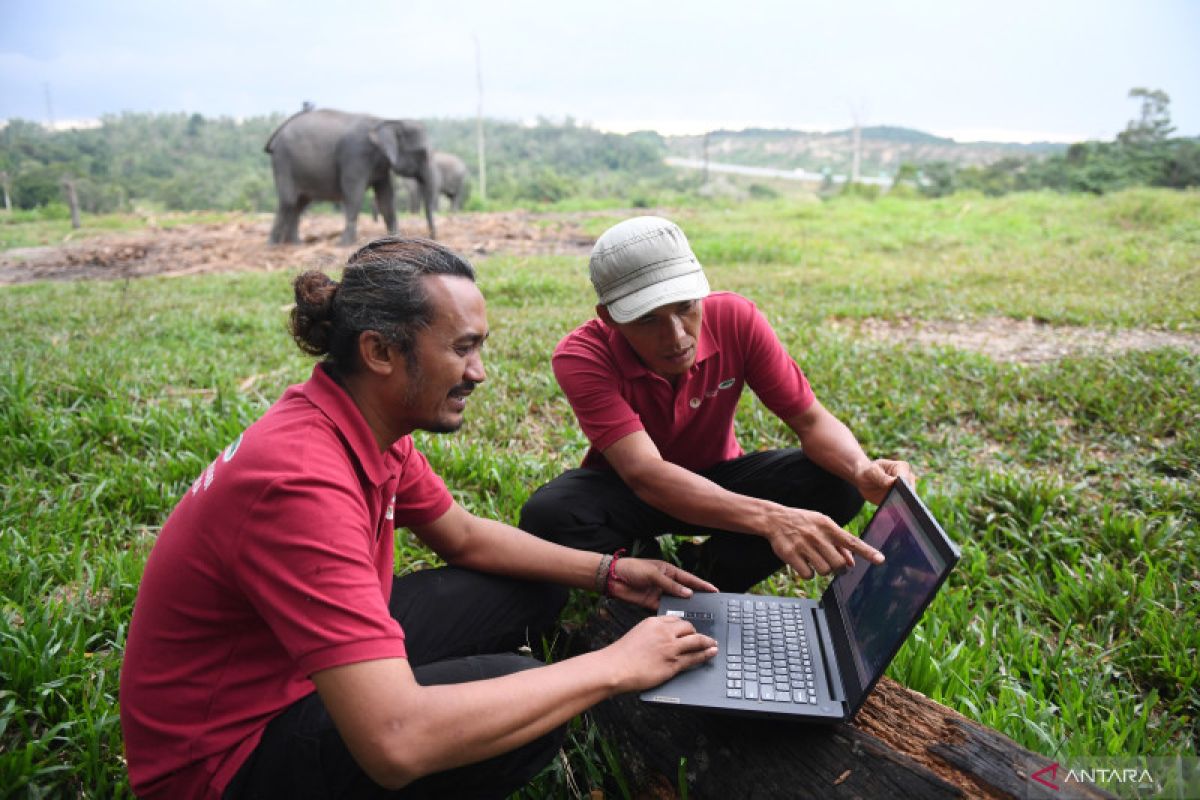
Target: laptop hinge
833,676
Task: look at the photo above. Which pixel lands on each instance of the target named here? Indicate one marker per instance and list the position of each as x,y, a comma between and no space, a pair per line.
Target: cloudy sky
1017,70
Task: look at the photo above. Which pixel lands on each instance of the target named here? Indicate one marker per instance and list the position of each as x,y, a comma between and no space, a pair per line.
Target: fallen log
900,745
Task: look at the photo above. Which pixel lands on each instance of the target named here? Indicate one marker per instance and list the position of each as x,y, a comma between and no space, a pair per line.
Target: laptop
796,658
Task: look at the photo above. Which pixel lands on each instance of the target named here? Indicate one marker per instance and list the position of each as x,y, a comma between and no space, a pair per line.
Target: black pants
459,626
592,509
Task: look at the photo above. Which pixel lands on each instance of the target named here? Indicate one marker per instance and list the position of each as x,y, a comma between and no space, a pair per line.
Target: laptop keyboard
767,653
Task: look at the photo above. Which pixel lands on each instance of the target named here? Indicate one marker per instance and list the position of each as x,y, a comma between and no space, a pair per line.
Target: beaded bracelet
611,574
601,579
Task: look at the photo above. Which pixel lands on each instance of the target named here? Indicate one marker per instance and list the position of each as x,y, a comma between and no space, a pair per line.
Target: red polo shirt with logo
613,394
277,563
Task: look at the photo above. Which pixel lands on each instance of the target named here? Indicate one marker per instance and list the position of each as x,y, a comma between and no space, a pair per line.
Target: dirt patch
242,245
1019,341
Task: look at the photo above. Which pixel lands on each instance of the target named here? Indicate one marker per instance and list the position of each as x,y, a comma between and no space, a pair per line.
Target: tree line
1144,154
190,162
186,162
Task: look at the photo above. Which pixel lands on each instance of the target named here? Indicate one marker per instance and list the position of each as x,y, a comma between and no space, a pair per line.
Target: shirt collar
336,403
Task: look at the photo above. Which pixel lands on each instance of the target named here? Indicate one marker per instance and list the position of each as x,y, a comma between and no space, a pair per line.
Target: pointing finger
857,545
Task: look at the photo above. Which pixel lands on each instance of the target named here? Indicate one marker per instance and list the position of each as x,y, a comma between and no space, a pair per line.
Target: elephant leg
351,203
277,227
385,201
413,190
284,230
285,194
291,232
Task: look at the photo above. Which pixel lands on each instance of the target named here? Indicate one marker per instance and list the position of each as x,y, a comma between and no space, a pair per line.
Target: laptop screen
882,602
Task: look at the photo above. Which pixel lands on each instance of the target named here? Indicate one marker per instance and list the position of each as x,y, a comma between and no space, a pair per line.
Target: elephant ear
382,138
410,134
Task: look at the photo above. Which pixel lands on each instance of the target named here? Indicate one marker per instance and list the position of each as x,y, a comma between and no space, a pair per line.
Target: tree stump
900,745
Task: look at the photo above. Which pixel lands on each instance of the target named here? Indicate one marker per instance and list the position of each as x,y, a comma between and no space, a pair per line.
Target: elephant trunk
429,193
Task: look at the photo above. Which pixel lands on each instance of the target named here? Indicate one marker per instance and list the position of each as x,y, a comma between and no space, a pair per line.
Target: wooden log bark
900,745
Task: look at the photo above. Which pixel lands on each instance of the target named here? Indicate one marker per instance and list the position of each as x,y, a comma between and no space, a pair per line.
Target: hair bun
312,317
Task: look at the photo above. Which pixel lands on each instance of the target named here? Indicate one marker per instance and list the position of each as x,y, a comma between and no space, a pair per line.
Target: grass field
1072,486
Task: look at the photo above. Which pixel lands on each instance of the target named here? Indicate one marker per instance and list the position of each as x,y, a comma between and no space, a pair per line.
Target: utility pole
856,159
68,184
856,143
479,144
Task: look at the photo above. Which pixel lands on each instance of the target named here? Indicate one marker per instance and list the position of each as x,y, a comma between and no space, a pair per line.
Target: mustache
464,389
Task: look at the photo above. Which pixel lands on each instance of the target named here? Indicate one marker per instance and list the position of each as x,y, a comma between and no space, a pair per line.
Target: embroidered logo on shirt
231,451
205,479
725,384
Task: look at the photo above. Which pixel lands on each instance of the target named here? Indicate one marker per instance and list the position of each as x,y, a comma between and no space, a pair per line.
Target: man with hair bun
655,382
272,651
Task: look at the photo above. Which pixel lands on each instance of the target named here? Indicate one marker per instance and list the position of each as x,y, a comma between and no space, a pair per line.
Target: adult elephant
453,182
332,155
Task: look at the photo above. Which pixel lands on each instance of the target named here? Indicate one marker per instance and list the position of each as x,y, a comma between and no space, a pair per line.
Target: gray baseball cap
642,264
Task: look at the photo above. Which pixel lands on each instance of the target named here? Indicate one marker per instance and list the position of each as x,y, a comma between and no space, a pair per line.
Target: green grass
1072,486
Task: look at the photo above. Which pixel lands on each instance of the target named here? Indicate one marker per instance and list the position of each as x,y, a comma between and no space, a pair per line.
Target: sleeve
591,383
771,373
308,565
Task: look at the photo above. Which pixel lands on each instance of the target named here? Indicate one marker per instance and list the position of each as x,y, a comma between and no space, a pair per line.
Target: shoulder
294,438
591,341
728,308
729,314
728,303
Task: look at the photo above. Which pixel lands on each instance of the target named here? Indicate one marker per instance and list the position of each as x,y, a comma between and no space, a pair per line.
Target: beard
462,390
441,426
436,425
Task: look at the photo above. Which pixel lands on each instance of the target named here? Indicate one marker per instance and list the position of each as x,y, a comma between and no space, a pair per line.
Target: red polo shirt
614,395
277,563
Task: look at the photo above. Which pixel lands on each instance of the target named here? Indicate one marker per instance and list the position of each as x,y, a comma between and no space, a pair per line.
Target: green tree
940,178
1154,123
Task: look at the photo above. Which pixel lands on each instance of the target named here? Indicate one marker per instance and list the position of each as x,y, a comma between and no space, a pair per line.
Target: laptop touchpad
702,621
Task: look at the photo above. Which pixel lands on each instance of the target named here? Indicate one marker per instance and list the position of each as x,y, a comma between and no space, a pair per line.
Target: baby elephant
453,182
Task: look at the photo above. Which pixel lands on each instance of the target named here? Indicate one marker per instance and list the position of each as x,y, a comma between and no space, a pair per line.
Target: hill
883,149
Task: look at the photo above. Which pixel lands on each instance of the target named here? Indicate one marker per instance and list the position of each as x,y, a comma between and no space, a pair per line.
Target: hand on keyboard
655,649
643,581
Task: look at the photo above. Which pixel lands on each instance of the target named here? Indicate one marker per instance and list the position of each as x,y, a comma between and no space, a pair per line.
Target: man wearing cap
654,383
